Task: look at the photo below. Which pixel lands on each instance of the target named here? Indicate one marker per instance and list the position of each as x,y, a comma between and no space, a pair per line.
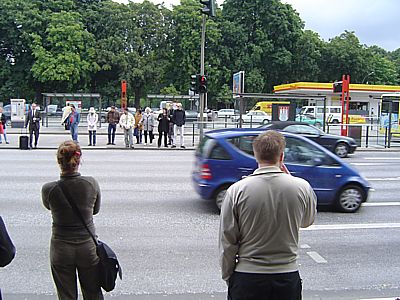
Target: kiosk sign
18,113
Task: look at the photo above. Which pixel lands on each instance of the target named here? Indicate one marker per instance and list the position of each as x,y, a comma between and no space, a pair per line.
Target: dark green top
85,191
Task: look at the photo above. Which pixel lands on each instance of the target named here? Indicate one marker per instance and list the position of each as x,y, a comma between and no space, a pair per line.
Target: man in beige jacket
126,122
259,231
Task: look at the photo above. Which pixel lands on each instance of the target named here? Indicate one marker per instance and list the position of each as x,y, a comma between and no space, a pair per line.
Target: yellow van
266,106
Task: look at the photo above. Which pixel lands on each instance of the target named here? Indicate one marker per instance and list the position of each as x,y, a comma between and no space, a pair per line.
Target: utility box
18,113
355,132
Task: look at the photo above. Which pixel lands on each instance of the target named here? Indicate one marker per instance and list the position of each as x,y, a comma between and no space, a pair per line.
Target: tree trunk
38,93
137,97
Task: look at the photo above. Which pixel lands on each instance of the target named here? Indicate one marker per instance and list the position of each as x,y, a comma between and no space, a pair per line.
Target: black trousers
251,286
33,129
160,134
92,137
151,136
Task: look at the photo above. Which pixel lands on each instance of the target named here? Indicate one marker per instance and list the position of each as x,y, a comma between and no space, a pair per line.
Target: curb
104,148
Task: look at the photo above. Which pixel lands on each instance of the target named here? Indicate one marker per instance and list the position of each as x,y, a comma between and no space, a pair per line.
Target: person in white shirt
92,119
126,122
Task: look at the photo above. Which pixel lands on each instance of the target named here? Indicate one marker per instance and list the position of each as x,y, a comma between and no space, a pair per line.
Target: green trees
65,56
91,45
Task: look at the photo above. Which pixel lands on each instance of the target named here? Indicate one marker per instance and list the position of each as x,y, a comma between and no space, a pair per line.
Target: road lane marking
352,226
382,158
384,179
305,246
381,204
392,298
370,164
316,257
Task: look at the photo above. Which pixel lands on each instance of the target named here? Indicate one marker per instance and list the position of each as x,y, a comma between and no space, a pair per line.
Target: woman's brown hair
69,156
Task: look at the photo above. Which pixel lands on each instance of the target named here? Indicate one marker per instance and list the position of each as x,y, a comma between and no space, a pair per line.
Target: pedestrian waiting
72,250
138,131
261,216
127,122
113,117
179,119
3,125
32,122
163,127
148,125
73,121
92,119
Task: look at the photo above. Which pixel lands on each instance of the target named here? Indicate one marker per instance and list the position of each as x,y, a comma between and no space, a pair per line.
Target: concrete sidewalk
51,137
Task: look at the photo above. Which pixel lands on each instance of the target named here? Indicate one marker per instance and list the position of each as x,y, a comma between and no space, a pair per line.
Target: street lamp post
366,76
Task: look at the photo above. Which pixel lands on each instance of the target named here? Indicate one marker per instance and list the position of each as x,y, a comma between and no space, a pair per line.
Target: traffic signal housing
209,8
337,86
202,84
194,83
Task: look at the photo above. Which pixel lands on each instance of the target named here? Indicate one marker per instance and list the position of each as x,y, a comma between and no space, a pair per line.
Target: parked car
225,113
253,117
340,145
191,115
225,156
309,119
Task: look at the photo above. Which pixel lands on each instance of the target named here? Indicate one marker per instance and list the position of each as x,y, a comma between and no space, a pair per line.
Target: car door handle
245,169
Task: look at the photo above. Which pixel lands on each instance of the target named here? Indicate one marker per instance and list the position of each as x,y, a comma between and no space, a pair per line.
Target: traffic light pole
202,95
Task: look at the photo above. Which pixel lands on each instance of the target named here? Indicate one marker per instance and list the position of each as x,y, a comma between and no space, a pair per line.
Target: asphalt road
166,236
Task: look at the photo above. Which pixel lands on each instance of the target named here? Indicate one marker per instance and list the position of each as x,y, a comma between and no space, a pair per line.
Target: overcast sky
375,22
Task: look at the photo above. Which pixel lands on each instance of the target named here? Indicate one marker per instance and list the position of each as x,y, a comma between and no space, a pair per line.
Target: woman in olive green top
72,250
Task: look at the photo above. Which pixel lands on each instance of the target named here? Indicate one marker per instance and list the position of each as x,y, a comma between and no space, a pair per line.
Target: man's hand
284,169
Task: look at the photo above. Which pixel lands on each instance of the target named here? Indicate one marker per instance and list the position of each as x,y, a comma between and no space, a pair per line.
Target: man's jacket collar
266,171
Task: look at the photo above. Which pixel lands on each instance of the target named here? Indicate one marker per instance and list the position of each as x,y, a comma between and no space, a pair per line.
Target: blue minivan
225,156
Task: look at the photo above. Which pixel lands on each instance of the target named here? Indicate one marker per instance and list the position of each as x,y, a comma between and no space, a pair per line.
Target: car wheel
350,198
103,119
335,121
8,123
342,150
318,125
220,196
265,121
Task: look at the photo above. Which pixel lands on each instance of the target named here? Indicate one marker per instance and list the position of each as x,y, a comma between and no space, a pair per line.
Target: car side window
244,143
302,129
300,152
219,153
335,111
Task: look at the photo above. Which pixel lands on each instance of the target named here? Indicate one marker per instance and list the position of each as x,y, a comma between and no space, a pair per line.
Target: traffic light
194,83
337,86
202,84
209,8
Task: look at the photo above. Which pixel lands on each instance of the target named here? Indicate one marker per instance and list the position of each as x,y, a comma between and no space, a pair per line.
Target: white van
333,113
